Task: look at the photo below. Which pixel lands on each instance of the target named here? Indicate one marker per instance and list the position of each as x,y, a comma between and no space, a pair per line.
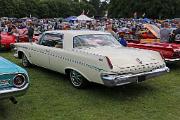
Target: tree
152,8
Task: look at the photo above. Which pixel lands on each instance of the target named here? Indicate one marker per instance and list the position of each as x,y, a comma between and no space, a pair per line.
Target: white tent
84,18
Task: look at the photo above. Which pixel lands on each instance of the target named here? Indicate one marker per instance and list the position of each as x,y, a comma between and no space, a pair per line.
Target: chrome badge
139,61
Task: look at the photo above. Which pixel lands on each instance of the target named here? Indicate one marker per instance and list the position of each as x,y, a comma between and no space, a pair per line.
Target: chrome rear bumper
117,80
13,92
172,60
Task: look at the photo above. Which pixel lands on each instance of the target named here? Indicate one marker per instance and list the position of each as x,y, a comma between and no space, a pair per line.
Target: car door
40,53
58,55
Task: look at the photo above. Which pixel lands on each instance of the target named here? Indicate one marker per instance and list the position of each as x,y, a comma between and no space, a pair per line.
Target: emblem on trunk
138,60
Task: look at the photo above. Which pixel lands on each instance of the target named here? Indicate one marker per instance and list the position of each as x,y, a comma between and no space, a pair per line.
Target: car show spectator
109,28
122,40
177,32
30,31
135,27
9,27
165,33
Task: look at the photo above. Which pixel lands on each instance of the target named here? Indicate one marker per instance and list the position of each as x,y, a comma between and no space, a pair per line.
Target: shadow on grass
5,51
174,66
3,110
125,92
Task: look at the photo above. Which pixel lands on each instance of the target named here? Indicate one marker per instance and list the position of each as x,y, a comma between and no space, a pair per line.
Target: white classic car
91,56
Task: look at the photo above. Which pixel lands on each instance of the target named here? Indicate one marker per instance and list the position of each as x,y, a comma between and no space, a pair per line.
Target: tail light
19,81
109,62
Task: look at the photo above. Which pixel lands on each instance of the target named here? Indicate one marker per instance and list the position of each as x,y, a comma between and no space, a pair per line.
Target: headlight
19,80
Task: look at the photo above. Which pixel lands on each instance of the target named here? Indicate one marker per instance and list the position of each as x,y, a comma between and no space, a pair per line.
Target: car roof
76,32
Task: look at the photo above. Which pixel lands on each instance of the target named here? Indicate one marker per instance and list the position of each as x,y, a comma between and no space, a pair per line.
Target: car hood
154,29
124,57
7,66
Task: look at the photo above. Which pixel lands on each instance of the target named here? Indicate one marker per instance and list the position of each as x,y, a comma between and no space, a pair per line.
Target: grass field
51,97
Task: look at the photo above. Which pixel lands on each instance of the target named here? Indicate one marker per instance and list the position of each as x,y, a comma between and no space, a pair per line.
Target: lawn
51,97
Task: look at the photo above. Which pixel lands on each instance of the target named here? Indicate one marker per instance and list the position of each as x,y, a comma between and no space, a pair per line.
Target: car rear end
13,85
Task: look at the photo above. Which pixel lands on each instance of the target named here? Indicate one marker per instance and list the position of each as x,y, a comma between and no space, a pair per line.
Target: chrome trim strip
13,92
172,60
10,73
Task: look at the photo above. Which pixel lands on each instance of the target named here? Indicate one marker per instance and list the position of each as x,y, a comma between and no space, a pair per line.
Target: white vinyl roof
77,32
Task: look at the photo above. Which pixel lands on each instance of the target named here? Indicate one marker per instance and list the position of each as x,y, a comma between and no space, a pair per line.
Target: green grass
51,97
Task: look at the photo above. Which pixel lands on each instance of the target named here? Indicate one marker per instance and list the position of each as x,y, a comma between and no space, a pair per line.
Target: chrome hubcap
76,78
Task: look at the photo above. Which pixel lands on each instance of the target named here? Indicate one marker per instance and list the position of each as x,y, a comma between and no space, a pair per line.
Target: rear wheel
25,61
77,80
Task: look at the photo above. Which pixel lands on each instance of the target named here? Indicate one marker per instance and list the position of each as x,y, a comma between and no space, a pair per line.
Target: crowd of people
169,29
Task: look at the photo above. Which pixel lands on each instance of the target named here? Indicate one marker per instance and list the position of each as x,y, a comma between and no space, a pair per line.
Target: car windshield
95,40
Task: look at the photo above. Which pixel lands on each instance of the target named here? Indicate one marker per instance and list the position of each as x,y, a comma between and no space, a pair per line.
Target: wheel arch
20,54
68,69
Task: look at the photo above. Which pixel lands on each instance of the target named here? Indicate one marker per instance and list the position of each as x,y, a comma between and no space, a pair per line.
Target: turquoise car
14,80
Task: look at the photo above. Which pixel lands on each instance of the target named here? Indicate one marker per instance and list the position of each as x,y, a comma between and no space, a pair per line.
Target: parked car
9,39
6,40
14,80
91,56
170,51
23,37
149,34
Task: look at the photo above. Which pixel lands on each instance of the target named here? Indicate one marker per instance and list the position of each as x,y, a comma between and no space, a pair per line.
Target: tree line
97,8
50,8
145,8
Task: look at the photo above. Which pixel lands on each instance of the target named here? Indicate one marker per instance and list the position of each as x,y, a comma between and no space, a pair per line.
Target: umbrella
71,18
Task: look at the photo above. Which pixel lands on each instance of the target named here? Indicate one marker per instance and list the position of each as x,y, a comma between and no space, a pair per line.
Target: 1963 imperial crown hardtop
91,56
14,80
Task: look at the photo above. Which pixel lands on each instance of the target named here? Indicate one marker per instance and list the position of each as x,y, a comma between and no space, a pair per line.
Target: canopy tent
84,18
71,18
147,20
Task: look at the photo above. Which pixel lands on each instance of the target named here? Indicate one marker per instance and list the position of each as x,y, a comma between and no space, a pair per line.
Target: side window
52,40
76,42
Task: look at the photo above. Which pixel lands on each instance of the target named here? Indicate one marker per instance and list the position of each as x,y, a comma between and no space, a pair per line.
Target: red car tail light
109,62
19,81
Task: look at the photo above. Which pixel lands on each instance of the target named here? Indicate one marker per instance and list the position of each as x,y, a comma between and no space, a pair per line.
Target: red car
23,37
7,39
170,51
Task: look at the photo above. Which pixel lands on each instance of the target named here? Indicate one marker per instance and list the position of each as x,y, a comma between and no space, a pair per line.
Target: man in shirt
165,33
177,32
30,32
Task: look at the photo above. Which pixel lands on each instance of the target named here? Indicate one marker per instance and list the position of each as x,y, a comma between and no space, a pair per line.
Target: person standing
177,32
30,32
109,29
165,33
